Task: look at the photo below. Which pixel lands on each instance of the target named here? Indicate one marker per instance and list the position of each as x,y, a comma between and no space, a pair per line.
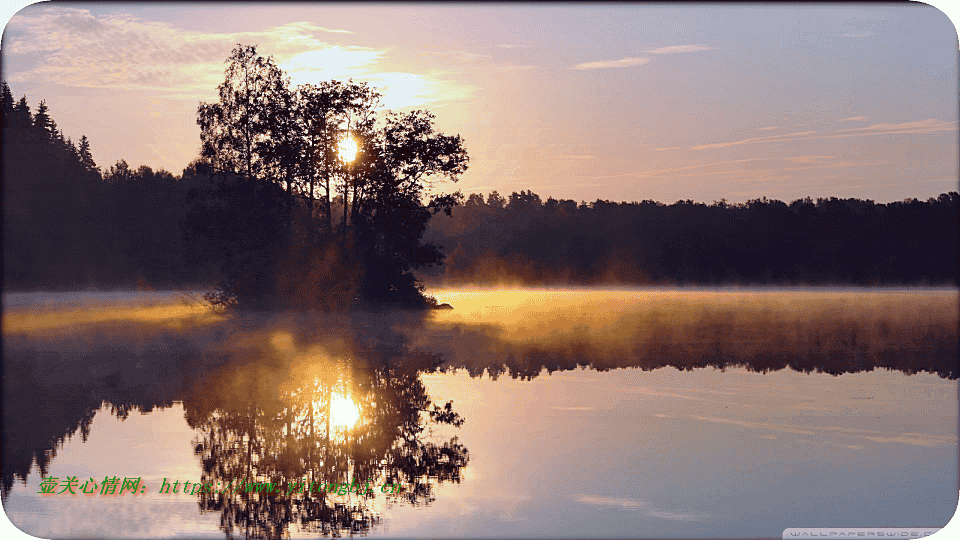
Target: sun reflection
347,149
344,412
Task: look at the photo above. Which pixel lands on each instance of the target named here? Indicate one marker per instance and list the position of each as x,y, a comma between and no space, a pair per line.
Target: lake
520,413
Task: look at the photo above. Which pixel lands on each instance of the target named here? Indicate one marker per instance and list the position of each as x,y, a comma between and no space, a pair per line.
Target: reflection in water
343,411
332,399
319,420
523,332
350,406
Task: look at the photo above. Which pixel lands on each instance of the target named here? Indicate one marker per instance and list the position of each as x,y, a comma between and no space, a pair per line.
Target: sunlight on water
343,411
638,407
175,312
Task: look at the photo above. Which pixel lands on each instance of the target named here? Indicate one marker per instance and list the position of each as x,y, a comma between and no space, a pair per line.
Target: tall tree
6,103
236,132
44,123
86,157
21,119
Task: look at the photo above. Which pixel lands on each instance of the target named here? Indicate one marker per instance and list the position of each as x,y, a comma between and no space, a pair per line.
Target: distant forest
69,224
827,241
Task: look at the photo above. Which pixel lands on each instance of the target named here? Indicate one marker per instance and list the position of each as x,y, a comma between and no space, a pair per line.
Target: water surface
572,413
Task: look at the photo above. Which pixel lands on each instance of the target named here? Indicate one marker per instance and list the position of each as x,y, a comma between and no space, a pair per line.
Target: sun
343,411
347,149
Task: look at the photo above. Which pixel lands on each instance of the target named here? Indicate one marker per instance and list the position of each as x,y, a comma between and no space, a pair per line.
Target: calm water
589,413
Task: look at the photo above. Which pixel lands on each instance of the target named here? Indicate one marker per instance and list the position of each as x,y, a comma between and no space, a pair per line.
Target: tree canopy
350,223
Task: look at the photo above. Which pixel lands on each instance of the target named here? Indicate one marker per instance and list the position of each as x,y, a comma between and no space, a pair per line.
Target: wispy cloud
639,60
330,61
856,34
577,157
477,61
853,119
755,425
514,68
75,47
904,128
658,172
744,170
769,128
753,140
809,159
667,148
674,49
923,126
608,64
459,56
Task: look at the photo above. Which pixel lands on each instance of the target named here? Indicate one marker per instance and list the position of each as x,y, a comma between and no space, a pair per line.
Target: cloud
674,49
414,90
523,44
459,56
666,148
480,61
755,425
923,126
853,119
744,173
809,159
607,64
74,47
658,172
905,128
639,60
753,140
856,34
328,62
311,26
769,128
577,157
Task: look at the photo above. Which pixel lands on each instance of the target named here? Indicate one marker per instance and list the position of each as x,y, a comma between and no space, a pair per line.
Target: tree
378,197
328,112
237,131
118,173
86,157
21,119
6,102
43,122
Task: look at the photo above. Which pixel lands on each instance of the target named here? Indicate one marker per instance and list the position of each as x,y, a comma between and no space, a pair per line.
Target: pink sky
620,102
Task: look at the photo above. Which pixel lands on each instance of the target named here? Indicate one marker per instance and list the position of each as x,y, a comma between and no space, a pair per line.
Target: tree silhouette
265,132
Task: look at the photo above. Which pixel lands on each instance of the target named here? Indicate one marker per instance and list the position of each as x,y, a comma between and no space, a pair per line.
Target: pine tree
6,102
86,158
21,119
44,123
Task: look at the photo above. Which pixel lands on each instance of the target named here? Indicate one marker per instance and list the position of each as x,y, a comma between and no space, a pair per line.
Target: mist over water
416,397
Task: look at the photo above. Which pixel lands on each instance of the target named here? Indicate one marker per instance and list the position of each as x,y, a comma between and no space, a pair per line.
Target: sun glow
343,411
347,149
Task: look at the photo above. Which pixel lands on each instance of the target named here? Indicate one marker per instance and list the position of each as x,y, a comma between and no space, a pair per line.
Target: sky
623,102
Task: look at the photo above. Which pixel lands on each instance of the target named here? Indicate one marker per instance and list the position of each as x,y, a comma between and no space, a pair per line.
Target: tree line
304,198
310,197
828,241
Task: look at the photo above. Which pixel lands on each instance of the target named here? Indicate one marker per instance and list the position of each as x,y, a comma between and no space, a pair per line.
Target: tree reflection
261,389
271,418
